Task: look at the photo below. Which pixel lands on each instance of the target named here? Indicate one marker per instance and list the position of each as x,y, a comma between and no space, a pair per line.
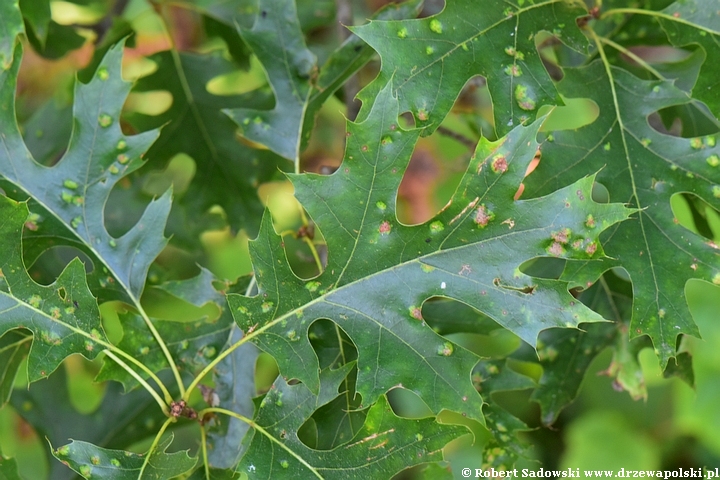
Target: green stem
626,149
655,13
154,444
210,366
141,366
611,300
608,71
203,444
141,380
633,56
258,428
166,352
315,255
109,346
16,344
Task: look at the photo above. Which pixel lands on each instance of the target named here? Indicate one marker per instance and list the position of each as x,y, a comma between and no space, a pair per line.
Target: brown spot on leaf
483,216
561,236
499,164
556,249
591,248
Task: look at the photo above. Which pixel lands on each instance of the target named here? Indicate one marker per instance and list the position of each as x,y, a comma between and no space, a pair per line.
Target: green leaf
63,316
215,474
230,12
11,25
565,356
14,346
645,168
379,272
431,59
278,43
119,422
505,447
58,42
235,386
681,367
37,14
192,345
347,60
8,468
227,171
94,462
693,22
448,316
385,445
72,194
625,367
48,131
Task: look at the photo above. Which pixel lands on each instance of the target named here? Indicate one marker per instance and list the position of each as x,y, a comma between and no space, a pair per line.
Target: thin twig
468,142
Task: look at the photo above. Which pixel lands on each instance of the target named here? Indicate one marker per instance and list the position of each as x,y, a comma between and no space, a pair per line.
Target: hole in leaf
125,206
656,54
161,305
153,103
682,66
62,293
47,132
285,209
178,173
519,404
689,120
575,114
325,336
497,343
446,316
621,273
85,394
600,193
238,82
228,254
416,201
326,144
266,371
337,422
439,161
695,214
48,265
431,7
408,404
111,320
138,68
279,198
543,267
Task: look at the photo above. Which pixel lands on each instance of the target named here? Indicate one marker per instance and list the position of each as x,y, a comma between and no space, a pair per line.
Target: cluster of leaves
380,310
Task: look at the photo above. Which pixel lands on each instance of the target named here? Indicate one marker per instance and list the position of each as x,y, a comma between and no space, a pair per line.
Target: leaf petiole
154,445
264,432
166,352
203,445
633,56
141,380
655,13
